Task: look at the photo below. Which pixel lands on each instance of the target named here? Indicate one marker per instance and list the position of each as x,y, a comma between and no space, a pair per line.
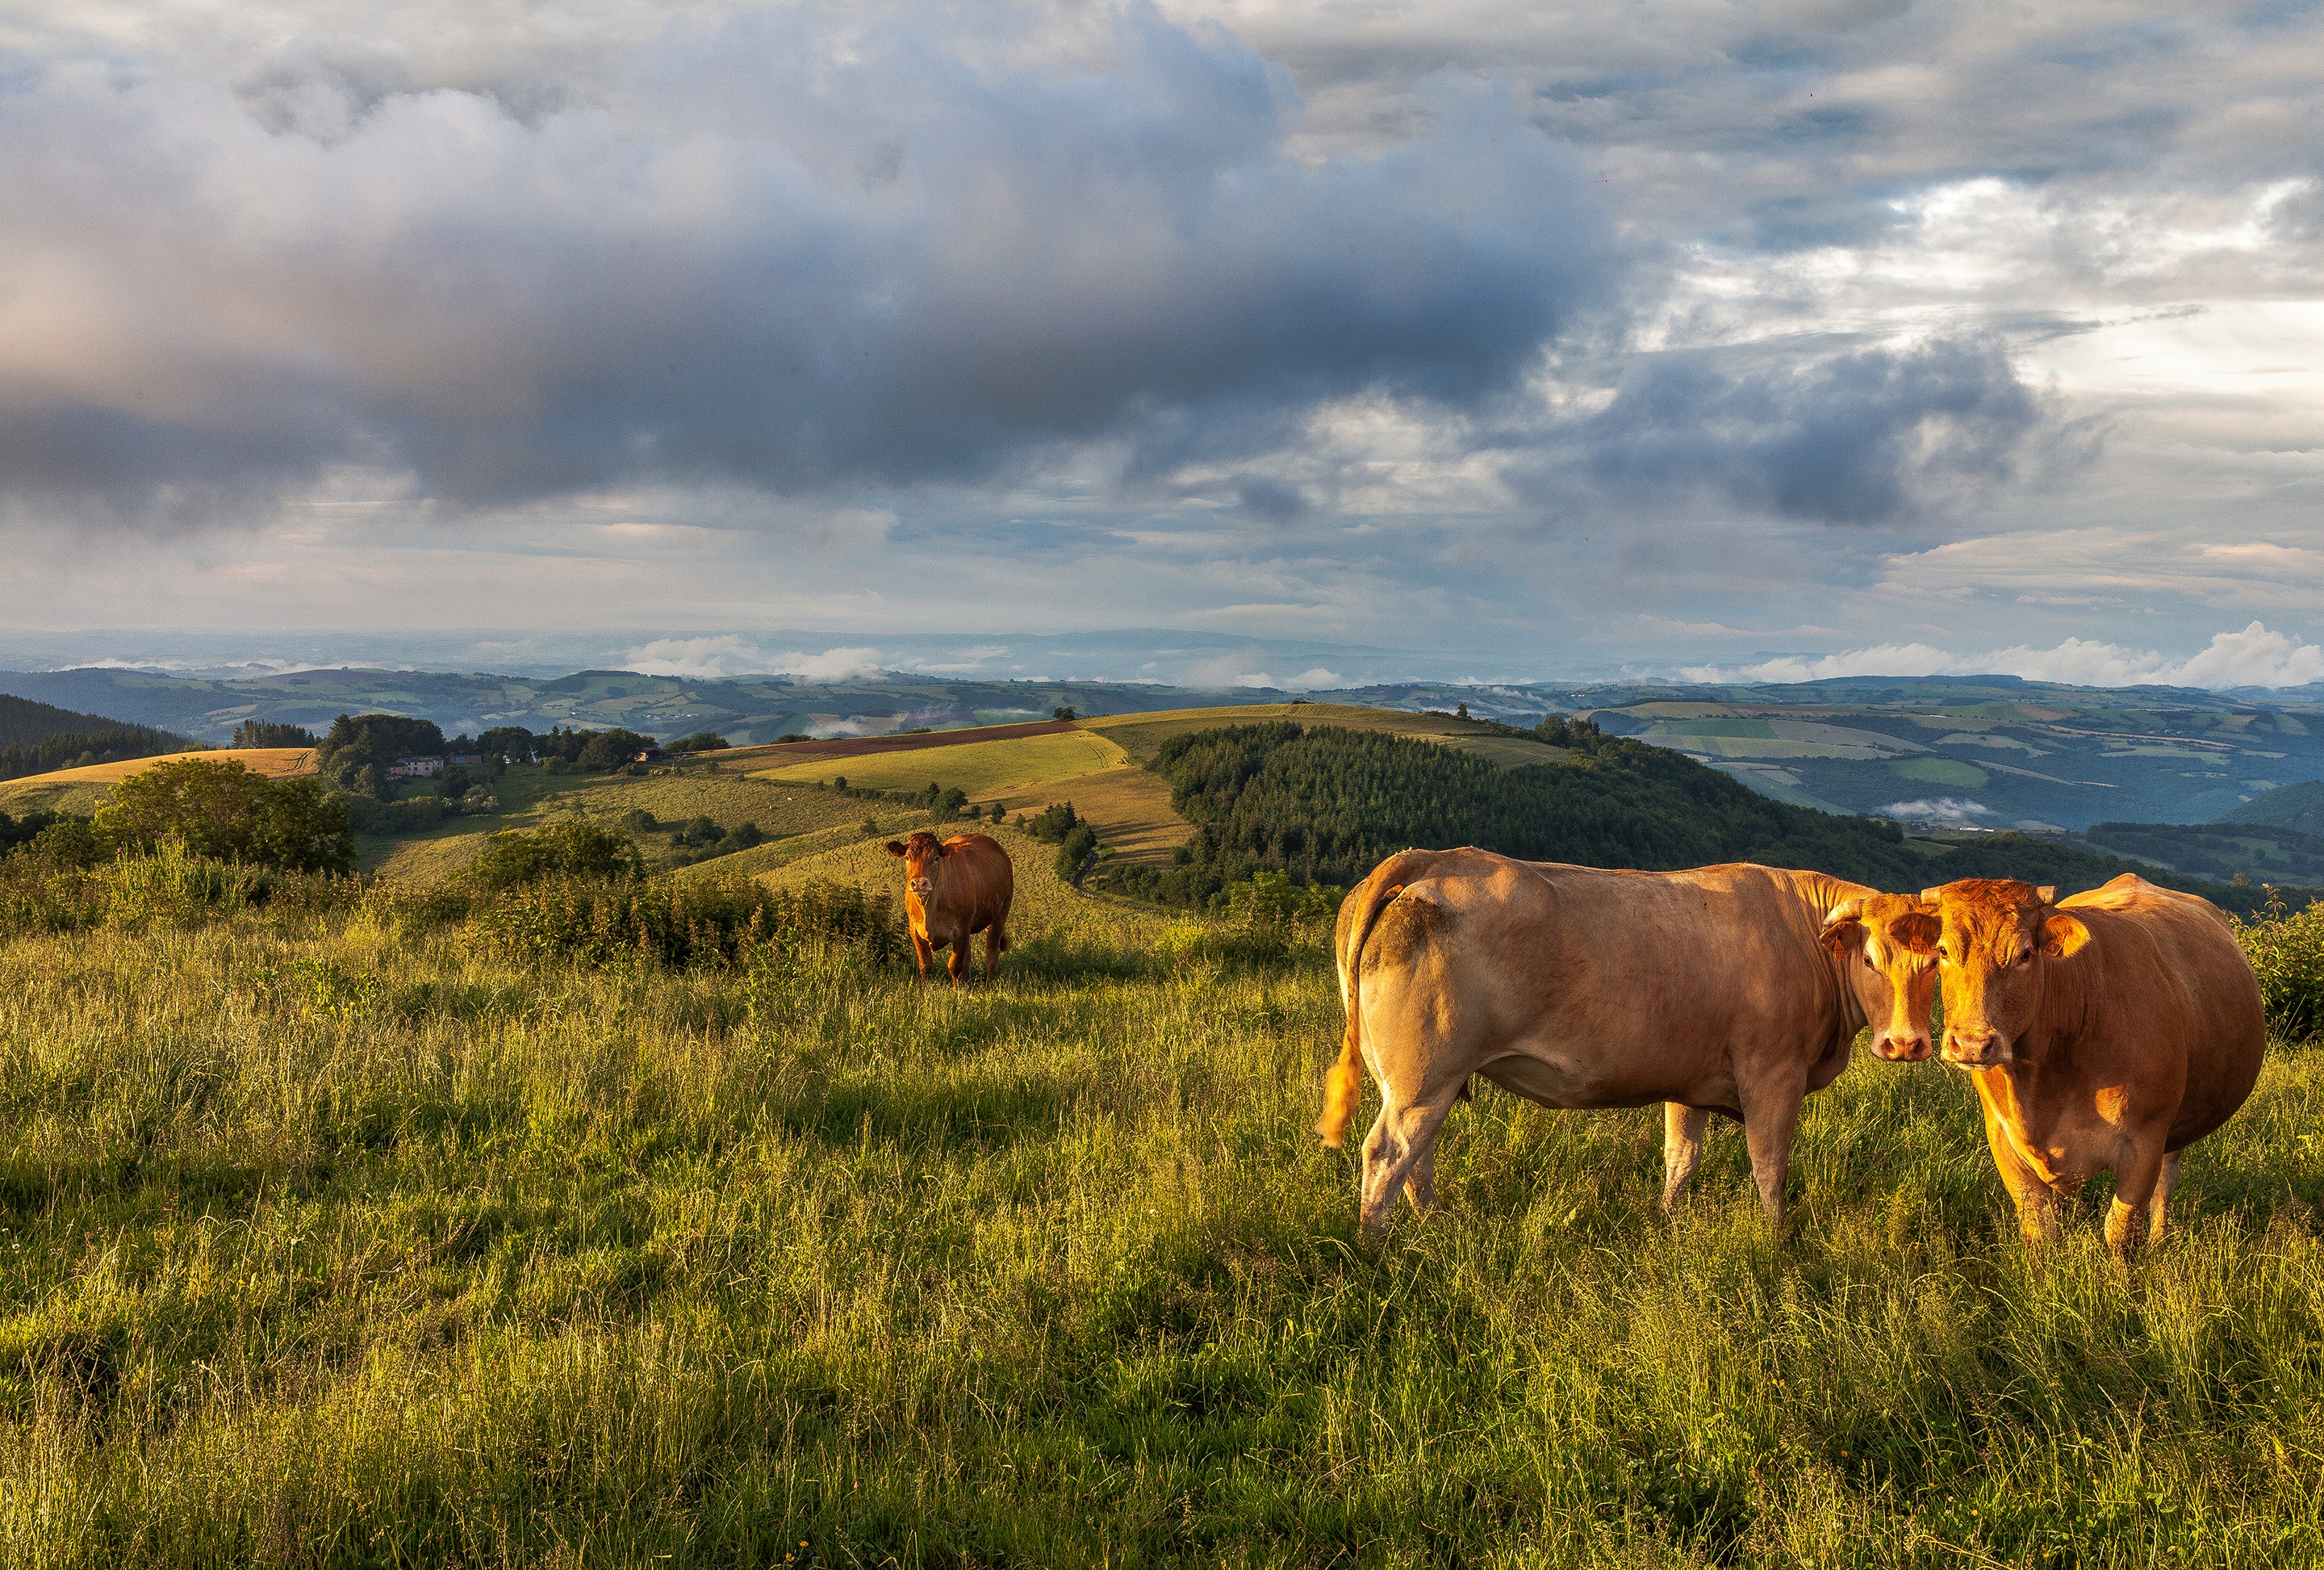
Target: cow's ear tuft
2047,893
894,848
1917,931
2061,935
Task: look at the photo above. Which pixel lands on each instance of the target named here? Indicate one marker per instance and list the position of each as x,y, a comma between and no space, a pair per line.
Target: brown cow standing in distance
1733,989
2105,1032
954,889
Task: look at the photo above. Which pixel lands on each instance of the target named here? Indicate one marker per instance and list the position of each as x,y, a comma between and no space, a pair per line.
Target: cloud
1942,810
1870,435
730,654
701,659
2253,656
796,251
1310,679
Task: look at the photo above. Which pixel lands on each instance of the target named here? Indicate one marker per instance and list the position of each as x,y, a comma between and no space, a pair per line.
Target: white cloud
1942,810
1308,680
2253,657
700,659
729,654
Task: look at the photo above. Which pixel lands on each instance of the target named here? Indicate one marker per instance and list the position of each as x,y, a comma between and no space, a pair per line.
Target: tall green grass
347,1235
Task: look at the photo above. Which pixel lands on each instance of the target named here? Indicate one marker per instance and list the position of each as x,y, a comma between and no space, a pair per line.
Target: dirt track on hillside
788,753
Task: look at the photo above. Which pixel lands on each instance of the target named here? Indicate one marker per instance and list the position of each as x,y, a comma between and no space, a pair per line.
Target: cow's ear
894,848
2061,935
1917,931
2047,893
1842,930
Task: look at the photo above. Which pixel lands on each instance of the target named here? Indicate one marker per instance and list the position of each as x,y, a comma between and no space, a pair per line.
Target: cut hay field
986,770
352,1239
80,790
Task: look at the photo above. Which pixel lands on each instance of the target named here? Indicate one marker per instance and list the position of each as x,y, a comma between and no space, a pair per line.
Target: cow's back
2173,988
1607,988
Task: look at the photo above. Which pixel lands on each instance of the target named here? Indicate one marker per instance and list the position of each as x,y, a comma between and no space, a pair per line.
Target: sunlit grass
349,1244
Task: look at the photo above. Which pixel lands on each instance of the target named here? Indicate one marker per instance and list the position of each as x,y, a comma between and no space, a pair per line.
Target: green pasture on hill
345,1236
1141,735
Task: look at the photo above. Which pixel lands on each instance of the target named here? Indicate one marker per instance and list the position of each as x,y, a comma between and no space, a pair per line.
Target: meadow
335,1233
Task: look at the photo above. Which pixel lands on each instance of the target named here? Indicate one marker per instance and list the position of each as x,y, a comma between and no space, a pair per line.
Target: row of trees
254,732
355,755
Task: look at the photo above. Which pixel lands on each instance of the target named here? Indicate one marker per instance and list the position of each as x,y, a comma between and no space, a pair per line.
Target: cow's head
1997,939
924,856
1886,947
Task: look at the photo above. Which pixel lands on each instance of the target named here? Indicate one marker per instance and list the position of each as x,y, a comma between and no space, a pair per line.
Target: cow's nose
1972,1045
1901,1048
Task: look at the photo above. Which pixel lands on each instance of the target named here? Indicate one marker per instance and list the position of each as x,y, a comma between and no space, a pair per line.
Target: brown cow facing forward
2105,1032
1733,989
954,889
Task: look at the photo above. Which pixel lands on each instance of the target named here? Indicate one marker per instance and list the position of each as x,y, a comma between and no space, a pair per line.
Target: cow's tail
1344,1085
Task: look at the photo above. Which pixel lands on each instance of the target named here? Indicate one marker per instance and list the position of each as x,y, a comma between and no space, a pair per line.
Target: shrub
2287,953
699,921
1273,900
1076,850
1054,822
222,810
171,886
577,848
699,742
638,820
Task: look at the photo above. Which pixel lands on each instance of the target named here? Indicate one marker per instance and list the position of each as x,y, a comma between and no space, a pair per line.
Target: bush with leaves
219,809
699,921
699,742
1075,851
1273,900
575,848
2287,955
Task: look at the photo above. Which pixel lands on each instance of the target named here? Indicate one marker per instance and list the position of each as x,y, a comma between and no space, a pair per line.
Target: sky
1759,341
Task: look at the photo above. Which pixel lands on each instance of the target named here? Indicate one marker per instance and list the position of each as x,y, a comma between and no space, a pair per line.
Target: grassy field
983,769
532,797
81,789
342,1239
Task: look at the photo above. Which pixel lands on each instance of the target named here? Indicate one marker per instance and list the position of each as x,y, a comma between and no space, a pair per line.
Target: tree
1460,711
219,808
699,742
1063,713
513,742
252,733
606,751
354,756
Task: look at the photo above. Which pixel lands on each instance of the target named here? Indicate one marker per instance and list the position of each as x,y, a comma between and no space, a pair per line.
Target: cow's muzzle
1976,1049
1901,1048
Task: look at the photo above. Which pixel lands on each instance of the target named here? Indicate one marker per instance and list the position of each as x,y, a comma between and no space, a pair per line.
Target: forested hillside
1326,805
36,737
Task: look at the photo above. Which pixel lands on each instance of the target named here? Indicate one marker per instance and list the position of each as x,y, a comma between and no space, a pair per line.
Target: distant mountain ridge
2298,806
1963,752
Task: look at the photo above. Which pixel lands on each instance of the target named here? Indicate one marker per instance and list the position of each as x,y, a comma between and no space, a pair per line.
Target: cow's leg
958,965
1401,1147
996,938
1771,1115
2134,1183
1683,1131
2159,1211
922,951
2037,1207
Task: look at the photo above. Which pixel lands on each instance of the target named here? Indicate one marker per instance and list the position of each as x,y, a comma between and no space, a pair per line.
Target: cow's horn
1933,894
1846,910
2047,893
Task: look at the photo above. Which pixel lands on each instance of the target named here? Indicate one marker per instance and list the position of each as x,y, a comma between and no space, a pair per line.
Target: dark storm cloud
1876,436
796,252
